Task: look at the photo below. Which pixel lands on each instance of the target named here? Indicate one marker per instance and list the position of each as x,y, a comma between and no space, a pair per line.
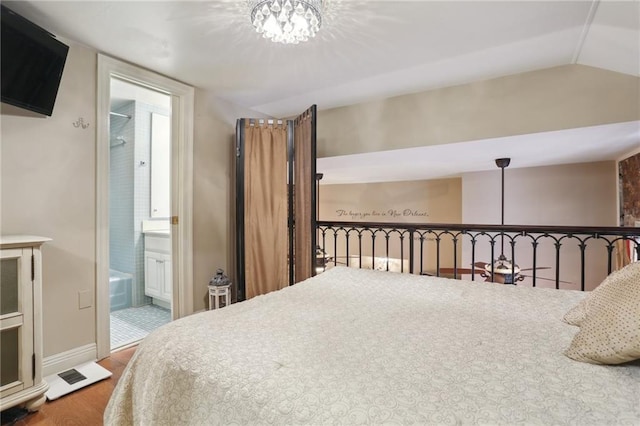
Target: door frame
182,119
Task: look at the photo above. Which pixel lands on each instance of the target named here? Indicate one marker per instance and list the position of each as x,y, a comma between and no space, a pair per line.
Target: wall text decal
377,214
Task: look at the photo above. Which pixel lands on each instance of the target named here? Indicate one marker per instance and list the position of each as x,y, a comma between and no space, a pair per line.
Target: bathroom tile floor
133,324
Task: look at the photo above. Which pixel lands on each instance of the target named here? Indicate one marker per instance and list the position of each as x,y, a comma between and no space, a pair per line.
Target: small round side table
218,294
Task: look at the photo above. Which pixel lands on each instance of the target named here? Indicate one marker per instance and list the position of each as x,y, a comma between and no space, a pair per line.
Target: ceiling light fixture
503,266
286,21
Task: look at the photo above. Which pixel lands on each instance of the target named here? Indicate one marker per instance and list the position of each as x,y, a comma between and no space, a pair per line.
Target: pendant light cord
502,163
502,216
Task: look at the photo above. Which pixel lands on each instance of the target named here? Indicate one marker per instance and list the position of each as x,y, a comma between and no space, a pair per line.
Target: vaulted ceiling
365,50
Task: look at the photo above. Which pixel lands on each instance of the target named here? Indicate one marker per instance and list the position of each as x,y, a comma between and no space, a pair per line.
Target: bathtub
119,289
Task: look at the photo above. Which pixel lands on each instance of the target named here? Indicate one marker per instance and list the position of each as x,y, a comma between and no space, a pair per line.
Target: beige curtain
622,254
265,194
304,182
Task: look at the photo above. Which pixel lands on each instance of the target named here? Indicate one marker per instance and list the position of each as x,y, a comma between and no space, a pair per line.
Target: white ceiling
365,50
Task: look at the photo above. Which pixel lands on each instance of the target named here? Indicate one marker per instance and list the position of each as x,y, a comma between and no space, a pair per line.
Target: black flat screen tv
31,64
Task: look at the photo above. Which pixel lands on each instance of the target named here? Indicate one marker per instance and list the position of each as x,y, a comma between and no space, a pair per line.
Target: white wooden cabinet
21,379
158,275
158,281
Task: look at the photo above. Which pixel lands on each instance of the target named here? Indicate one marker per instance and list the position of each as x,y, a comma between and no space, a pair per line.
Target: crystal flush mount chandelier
286,21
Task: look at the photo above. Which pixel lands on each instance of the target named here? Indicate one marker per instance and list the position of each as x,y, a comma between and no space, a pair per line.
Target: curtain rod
268,121
117,114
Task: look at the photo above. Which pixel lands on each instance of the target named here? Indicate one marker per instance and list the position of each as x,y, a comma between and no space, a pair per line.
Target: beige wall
49,189
433,201
581,194
213,182
48,181
557,98
573,194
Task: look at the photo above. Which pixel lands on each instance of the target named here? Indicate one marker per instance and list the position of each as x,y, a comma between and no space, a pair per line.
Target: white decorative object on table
219,287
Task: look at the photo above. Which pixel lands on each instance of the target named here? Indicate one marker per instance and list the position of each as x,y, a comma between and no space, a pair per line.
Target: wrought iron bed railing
576,257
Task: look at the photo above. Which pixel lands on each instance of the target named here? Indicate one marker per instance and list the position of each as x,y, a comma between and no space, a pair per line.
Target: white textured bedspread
365,347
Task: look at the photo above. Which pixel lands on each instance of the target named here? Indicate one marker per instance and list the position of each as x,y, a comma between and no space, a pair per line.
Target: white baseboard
162,303
65,360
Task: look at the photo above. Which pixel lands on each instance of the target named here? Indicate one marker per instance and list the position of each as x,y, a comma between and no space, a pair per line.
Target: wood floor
86,406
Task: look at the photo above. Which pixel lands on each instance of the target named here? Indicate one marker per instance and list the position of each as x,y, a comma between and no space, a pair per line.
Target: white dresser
21,379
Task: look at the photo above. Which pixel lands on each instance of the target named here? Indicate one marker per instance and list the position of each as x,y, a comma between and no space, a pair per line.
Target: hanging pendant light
508,270
288,21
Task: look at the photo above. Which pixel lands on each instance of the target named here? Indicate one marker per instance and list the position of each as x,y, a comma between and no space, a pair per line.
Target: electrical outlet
85,299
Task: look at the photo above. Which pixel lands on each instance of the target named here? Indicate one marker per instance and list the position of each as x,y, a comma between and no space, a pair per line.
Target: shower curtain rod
119,114
120,141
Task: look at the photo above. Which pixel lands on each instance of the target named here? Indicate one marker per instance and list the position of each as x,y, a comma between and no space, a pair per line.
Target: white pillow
609,321
578,313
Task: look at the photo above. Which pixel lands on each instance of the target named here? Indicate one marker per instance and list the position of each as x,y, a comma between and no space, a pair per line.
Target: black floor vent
71,376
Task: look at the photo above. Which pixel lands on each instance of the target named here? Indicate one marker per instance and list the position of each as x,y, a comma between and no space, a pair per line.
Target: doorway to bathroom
144,186
140,278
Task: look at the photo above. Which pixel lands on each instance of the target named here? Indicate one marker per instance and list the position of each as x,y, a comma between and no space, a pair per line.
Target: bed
354,346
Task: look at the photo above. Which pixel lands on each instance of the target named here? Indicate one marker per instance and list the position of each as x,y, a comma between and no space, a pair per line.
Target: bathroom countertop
158,233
